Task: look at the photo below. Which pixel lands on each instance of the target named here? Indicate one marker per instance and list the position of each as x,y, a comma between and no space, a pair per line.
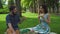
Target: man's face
15,10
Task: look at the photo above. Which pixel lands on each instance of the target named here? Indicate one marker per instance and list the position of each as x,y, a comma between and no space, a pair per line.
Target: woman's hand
42,16
38,17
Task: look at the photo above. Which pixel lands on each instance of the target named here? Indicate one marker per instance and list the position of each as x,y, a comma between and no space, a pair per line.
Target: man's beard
13,13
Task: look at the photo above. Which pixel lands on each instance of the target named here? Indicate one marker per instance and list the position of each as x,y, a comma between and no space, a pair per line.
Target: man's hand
10,27
14,32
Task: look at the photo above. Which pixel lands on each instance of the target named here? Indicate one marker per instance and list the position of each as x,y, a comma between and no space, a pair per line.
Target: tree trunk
57,9
18,5
39,2
34,6
53,9
38,6
57,4
11,2
31,8
1,6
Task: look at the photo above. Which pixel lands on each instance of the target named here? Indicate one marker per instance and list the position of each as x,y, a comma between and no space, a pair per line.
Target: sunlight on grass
2,17
30,15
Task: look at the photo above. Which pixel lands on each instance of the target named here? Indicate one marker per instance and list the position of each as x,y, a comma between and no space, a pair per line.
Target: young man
12,20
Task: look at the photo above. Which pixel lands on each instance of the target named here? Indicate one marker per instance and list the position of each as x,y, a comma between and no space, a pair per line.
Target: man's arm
8,21
10,27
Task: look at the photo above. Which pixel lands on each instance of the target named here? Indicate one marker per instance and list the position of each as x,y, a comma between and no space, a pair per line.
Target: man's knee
9,31
17,32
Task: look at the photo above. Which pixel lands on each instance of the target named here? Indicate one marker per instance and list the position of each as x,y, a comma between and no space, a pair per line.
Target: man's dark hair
12,8
45,8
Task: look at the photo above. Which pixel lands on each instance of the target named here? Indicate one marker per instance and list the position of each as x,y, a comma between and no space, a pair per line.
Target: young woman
44,21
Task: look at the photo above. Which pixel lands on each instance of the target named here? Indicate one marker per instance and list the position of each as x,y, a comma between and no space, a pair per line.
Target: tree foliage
26,3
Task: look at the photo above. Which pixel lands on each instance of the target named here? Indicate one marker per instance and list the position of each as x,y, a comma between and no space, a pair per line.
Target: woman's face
41,9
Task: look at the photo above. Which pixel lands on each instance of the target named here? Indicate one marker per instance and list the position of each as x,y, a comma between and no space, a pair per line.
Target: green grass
31,21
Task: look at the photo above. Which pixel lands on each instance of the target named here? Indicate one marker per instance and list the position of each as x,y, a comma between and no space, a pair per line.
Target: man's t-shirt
13,19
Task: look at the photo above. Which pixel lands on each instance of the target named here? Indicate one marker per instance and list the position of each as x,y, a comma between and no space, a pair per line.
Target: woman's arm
48,19
39,18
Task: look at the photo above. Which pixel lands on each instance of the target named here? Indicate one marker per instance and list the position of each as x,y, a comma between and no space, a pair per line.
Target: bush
4,11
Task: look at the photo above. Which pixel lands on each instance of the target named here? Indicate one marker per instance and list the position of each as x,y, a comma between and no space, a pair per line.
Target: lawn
31,20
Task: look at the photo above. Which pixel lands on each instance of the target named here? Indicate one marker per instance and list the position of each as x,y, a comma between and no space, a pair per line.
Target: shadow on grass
55,25
29,22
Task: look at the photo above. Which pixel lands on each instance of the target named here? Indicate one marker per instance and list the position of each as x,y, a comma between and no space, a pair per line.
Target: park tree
52,4
26,3
11,2
33,5
1,6
57,5
18,5
30,4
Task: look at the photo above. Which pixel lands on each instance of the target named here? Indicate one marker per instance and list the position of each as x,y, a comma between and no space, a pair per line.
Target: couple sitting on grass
12,20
